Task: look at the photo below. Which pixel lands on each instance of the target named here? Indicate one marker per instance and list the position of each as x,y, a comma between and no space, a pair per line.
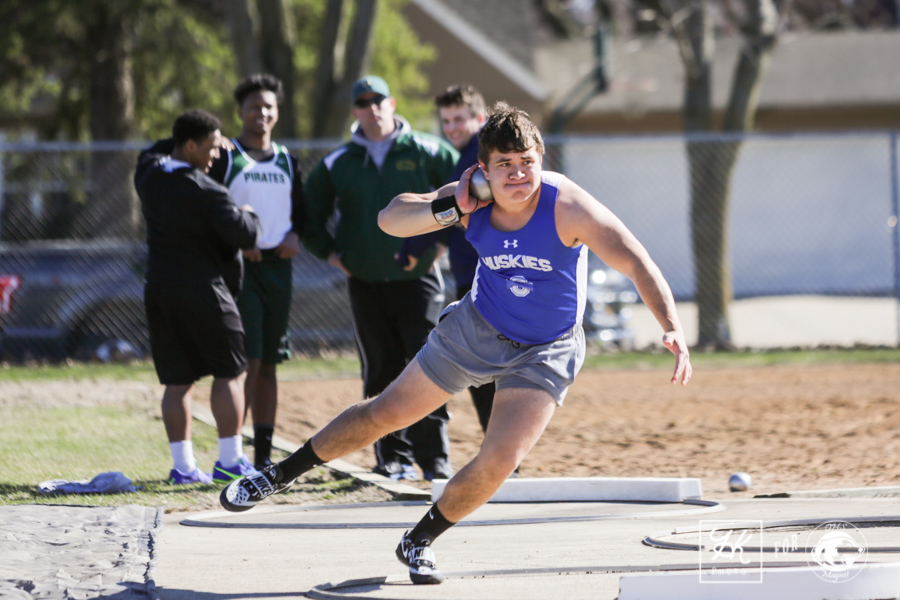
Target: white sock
230,450
183,456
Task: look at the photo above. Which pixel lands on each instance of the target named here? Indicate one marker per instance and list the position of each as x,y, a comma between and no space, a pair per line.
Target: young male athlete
194,234
462,112
263,174
519,326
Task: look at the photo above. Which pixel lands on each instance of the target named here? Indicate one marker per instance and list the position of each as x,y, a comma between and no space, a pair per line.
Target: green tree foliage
40,70
397,55
181,58
178,58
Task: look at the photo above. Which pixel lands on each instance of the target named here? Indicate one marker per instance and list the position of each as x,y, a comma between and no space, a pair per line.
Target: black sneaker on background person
420,559
439,469
397,471
265,463
245,493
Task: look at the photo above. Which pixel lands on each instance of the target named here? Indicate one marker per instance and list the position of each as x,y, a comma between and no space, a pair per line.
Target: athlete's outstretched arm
581,218
411,214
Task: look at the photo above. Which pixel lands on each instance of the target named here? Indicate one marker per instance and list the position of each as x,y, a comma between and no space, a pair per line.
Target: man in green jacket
393,309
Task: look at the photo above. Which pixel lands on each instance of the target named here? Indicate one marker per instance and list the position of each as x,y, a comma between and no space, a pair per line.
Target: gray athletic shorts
465,350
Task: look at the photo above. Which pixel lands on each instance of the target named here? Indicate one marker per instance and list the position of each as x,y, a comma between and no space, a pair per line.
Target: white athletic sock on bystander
183,456
230,450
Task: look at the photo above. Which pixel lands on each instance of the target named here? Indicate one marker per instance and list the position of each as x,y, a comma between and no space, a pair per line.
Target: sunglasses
365,102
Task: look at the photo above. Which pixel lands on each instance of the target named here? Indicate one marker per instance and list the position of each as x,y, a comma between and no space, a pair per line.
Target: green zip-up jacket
348,182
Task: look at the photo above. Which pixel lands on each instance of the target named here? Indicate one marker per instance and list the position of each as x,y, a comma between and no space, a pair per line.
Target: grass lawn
49,435
73,442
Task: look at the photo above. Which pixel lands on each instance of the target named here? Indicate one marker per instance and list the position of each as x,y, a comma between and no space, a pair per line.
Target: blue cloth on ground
112,482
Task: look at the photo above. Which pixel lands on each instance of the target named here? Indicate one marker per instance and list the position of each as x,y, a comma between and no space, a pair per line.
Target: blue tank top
528,285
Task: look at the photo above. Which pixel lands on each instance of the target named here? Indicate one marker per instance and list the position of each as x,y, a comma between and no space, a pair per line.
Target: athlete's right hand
676,344
466,202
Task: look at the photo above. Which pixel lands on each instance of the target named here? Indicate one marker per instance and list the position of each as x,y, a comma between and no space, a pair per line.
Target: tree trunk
711,164
333,105
712,169
326,75
708,221
243,25
111,209
756,56
277,50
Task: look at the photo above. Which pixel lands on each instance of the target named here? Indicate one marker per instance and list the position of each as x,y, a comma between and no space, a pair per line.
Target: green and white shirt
267,186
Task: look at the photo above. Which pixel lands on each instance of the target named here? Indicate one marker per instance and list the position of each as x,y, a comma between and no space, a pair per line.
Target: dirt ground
790,427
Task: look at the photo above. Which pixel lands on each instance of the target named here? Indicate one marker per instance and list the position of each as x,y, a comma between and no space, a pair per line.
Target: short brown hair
508,129
461,95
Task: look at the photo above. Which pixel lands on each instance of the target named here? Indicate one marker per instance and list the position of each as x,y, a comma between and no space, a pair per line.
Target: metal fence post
2,176
895,222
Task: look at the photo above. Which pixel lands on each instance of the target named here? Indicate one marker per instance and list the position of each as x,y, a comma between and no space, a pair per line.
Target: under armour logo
510,244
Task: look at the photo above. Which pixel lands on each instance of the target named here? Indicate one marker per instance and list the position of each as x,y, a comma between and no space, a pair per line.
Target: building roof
517,26
810,70
503,58
509,50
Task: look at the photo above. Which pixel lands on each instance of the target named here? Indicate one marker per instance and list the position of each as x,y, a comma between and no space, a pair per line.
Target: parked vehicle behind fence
85,301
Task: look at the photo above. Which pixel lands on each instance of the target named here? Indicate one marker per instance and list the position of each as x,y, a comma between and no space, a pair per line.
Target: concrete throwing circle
360,589
784,536
399,514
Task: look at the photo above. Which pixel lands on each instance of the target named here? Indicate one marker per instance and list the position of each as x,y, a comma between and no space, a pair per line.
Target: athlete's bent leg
408,399
518,418
412,396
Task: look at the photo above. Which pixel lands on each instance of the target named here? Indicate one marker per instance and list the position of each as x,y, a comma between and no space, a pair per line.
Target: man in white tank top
467,348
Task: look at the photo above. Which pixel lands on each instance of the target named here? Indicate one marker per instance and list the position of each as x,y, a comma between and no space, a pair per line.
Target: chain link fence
794,218
810,220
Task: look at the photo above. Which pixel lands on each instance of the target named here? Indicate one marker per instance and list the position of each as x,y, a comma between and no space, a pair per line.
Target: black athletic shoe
419,557
397,471
245,493
439,469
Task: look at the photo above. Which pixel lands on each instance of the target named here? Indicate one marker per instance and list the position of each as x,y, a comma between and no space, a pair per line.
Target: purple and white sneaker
227,474
176,477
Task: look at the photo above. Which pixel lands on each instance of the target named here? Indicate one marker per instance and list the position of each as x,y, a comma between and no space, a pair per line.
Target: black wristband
446,211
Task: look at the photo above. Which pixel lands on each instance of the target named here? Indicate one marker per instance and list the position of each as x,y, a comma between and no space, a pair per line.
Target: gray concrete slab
580,550
566,559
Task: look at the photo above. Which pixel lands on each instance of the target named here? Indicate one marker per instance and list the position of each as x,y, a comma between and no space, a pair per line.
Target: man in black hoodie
194,235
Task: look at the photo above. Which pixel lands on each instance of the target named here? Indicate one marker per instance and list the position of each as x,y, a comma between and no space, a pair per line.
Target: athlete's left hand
253,255
674,341
289,246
